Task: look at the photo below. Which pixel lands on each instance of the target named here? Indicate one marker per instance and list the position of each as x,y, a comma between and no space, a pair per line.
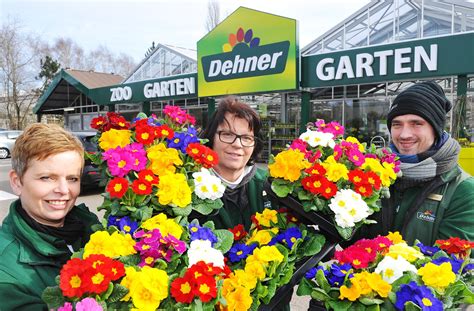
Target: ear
15,182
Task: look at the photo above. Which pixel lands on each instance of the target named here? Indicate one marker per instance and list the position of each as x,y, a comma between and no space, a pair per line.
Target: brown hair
39,141
240,110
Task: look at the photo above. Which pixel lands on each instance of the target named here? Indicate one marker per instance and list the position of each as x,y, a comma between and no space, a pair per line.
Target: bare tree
213,15
18,87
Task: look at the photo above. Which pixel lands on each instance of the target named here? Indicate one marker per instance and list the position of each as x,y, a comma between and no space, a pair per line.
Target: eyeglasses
229,138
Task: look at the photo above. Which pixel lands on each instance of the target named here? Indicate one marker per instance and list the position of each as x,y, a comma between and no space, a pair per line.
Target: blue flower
311,274
113,221
240,251
202,233
420,295
428,250
468,267
337,274
456,263
291,235
181,140
127,225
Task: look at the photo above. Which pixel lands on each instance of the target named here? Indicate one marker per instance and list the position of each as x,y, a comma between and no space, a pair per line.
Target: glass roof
388,21
164,61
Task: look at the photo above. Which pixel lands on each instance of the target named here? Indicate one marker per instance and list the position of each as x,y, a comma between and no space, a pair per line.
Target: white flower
207,186
201,250
392,269
349,208
317,138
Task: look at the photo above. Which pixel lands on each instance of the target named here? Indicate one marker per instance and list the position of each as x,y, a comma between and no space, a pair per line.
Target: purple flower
66,307
428,250
468,267
240,251
181,140
113,221
419,295
119,161
291,235
138,153
202,233
311,274
127,225
88,304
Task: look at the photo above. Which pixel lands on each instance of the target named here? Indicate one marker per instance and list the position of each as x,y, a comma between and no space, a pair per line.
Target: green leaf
118,292
226,239
305,287
182,211
322,282
282,188
304,196
320,295
130,260
203,208
370,301
313,245
340,305
411,306
53,297
345,233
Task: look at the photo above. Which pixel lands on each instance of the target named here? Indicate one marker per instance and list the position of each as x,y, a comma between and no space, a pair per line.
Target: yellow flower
123,244
334,170
407,252
352,139
149,287
262,237
239,299
288,165
242,278
437,276
351,293
378,284
255,268
395,237
163,160
173,188
267,217
265,254
114,138
130,274
165,225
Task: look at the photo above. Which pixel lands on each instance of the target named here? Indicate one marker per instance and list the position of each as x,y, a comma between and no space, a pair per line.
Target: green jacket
234,213
30,260
448,211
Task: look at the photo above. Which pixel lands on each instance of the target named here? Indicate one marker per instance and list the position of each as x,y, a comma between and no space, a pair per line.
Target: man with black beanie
434,198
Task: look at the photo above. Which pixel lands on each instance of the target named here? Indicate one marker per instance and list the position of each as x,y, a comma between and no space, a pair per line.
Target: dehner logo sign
405,60
244,57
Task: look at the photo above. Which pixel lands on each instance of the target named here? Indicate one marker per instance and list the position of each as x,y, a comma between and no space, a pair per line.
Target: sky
130,26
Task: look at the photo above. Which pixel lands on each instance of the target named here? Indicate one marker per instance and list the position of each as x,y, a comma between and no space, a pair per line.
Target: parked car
90,176
7,140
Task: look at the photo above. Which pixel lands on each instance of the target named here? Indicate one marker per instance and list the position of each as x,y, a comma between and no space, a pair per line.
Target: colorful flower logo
241,38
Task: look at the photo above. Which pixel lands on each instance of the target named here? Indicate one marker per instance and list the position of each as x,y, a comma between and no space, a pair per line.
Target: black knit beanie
425,99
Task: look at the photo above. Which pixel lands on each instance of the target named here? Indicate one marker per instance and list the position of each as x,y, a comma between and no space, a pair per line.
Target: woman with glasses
233,132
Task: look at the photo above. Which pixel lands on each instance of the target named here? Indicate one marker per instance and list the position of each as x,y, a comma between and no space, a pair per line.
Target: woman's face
49,188
232,157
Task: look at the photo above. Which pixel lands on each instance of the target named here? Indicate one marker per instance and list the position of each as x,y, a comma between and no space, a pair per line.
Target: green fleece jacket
30,260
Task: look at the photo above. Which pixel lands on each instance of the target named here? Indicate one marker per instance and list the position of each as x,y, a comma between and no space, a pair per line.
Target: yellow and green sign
249,52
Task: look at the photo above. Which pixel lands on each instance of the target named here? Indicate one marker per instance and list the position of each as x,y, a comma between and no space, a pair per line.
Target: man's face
49,188
412,134
232,157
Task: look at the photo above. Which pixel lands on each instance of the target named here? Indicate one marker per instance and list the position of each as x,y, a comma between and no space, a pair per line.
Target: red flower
117,187
455,245
145,134
374,180
205,288
117,121
164,131
328,189
357,177
316,169
113,268
313,183
201,268
239,232
71,278
141,187
359,257
364,190
182,290
149,176
209,157
98,123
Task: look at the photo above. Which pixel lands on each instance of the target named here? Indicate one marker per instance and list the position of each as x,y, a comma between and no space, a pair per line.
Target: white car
7,140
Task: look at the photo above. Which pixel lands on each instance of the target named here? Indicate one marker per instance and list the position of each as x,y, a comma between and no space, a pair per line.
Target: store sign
249,52
177,87
408,60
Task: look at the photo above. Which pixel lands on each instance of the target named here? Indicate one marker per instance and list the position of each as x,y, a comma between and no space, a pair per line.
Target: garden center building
349,74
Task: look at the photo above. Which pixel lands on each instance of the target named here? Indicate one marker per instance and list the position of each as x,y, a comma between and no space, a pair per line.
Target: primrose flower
288,165
207,186
317,138
114,138
436,276
392,269
267,217
402,249
420,295
201,250
349,208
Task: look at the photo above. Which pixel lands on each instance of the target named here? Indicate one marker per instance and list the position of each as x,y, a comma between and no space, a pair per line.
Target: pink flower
301,145
88,304
66,307
119,161
356,157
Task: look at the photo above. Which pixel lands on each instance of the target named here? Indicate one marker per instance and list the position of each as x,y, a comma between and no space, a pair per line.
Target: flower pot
324,222
466,160
315,305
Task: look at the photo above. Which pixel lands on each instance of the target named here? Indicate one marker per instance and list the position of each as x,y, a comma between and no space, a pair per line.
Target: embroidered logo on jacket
427,215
